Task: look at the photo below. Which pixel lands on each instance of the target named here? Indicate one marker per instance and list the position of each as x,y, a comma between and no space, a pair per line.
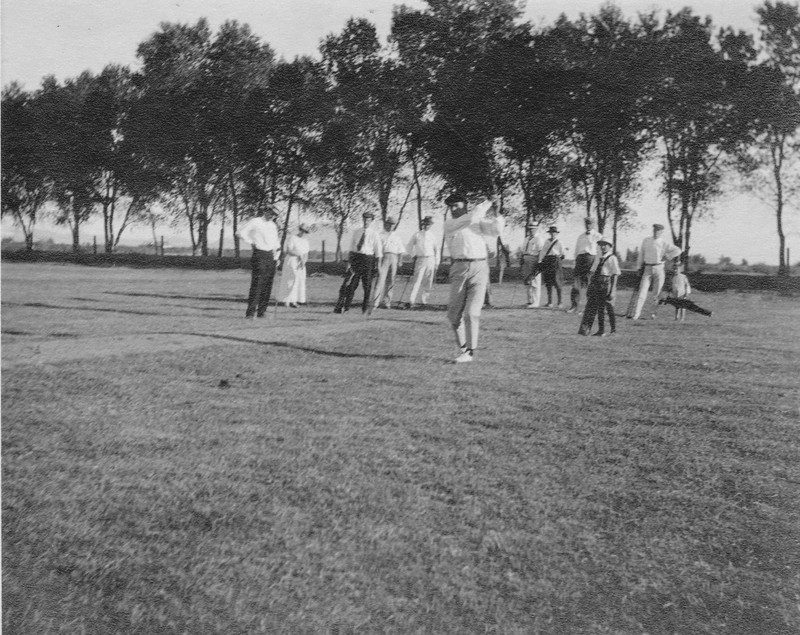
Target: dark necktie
361,240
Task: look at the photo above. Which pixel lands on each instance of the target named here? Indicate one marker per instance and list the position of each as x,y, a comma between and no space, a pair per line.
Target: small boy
680,288
602,291
679,291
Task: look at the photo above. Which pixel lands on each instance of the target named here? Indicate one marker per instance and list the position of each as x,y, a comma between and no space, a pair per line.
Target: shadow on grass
305,349
41,305
176,296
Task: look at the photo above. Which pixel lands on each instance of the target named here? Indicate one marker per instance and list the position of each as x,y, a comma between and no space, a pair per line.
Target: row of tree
462,95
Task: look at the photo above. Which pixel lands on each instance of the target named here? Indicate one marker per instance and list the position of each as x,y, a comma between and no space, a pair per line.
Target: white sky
66,37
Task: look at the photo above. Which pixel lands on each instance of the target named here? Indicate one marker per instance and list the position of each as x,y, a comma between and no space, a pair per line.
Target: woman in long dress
292,290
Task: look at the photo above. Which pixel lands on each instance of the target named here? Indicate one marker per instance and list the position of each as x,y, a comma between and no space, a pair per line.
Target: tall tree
605,138
450,43
26,186
193,87
366,87
698,87
775,95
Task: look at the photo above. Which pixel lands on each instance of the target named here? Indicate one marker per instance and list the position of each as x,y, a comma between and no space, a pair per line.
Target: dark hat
427,221
589,220
603,241
553,230
303,228
390,221
658,226
455,198
368,215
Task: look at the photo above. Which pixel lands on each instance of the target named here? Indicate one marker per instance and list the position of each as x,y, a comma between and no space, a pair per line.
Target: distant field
169,467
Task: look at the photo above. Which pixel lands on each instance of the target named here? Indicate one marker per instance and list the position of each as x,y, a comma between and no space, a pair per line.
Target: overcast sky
66,37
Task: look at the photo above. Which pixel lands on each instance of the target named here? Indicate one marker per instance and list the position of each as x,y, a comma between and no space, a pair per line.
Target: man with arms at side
650,263
366,251
465,232
423,248
393,250
585,252
531,277
262,234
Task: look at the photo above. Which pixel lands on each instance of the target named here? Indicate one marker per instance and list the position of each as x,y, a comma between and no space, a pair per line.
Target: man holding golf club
366,251
465,232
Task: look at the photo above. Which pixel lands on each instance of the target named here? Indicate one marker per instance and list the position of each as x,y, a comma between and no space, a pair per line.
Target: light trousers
424,274
386,279
468,282
653,278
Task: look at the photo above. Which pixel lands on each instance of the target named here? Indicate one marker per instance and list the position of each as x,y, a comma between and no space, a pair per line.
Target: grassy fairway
169,467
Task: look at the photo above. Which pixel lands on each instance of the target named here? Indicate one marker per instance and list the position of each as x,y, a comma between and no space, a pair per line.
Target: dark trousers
581,273
262,264
362,268
597,304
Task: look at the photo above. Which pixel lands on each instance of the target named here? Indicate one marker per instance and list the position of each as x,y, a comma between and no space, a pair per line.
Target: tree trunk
234,214
28,241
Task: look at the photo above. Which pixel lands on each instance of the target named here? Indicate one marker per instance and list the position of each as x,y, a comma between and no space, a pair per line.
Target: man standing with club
465,232
262,234
425,252
650,263
366,251
585,252
393,250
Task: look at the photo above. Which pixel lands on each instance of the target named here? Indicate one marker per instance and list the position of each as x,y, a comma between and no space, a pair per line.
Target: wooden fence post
323,252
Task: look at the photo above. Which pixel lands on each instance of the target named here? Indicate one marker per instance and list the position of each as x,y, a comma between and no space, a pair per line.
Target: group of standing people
376,254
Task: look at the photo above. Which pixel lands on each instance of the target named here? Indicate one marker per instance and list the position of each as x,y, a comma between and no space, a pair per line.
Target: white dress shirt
261,234
465,234
423,244
587,243
393,244
373,245
534,244
655,250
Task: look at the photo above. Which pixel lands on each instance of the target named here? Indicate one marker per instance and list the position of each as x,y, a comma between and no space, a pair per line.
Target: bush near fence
700,281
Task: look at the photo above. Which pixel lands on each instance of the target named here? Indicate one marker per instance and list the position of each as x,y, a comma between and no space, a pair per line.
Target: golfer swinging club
469,273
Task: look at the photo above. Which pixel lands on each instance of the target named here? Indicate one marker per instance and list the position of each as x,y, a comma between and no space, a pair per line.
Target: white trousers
653,278
424,273
386,277
292,286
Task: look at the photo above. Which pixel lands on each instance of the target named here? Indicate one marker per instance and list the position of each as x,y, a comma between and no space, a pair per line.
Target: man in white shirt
585,252
393,250
465,233
366,251
531,276
262,234
425,252
650,263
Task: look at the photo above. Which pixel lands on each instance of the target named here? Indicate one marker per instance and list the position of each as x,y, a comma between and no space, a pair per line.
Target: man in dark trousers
366,251
262,234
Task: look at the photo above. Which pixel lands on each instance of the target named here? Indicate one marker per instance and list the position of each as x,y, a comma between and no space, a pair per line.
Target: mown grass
353,482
